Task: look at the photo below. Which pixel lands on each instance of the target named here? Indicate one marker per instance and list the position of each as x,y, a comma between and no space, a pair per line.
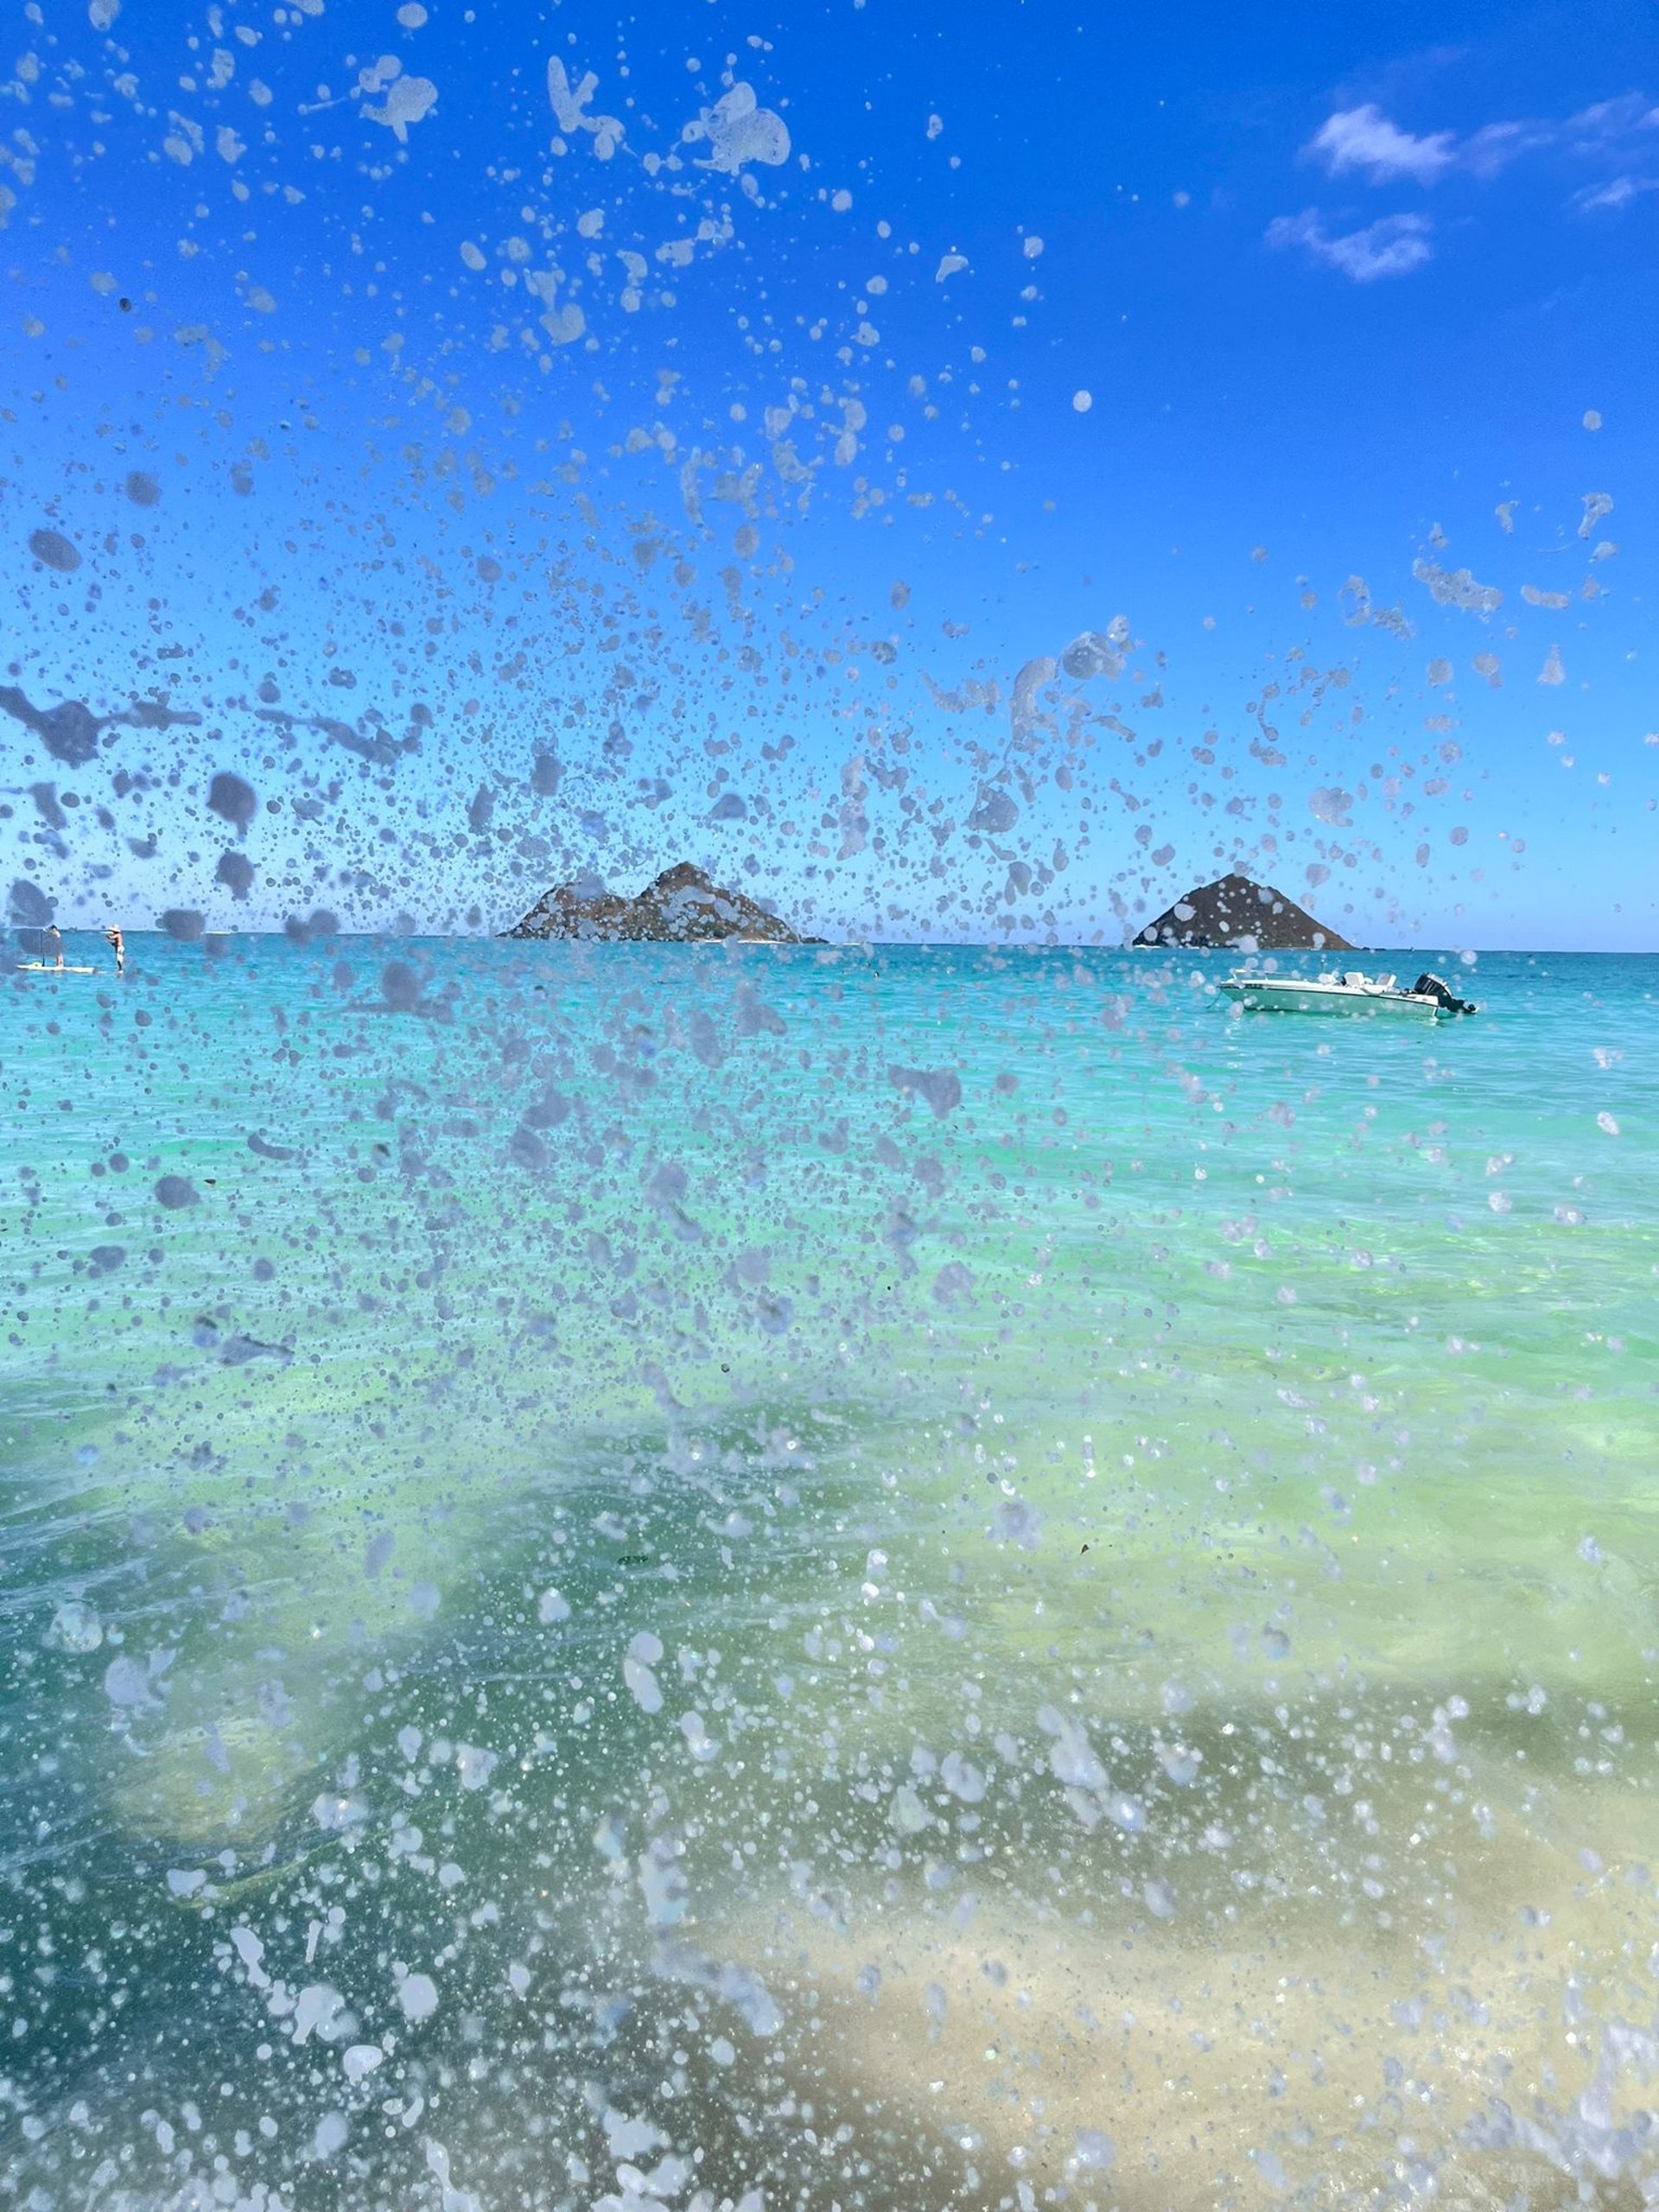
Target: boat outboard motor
1435,986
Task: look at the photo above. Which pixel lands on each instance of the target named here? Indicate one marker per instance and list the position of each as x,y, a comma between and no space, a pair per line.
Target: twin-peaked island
684,905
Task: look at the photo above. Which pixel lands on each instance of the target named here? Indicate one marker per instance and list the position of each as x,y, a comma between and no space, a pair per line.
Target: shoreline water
677,1532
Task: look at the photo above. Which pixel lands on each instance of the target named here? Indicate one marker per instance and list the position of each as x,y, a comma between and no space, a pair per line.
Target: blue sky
954,472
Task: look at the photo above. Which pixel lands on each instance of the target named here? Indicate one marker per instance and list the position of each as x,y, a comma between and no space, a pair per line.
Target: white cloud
1592,130
1618,191
1621,132
1391,247
1366,141
1363,138
1495,145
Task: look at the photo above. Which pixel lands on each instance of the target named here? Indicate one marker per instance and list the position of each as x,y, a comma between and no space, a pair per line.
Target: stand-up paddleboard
51,968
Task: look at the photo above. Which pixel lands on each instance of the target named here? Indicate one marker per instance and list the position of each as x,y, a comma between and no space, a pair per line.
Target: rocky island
682,905
1247,916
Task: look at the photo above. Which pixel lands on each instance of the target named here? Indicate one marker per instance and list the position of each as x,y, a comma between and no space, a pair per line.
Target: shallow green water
633,1601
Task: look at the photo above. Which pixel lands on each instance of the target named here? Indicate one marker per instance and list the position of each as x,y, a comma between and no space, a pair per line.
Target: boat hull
1288,998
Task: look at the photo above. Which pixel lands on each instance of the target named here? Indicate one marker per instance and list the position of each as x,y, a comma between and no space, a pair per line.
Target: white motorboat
1351,993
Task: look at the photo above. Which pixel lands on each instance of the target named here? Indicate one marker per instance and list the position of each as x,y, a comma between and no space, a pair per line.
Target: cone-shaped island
1247,916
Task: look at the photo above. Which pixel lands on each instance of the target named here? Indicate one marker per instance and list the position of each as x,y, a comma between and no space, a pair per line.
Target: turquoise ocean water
647,1577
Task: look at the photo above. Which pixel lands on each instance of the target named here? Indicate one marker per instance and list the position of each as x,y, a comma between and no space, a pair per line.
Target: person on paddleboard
51,945
118,943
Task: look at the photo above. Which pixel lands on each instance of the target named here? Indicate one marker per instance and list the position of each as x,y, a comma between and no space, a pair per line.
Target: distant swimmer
51,945
113,937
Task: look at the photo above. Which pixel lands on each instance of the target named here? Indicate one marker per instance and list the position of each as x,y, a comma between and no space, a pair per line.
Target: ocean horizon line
1426,948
